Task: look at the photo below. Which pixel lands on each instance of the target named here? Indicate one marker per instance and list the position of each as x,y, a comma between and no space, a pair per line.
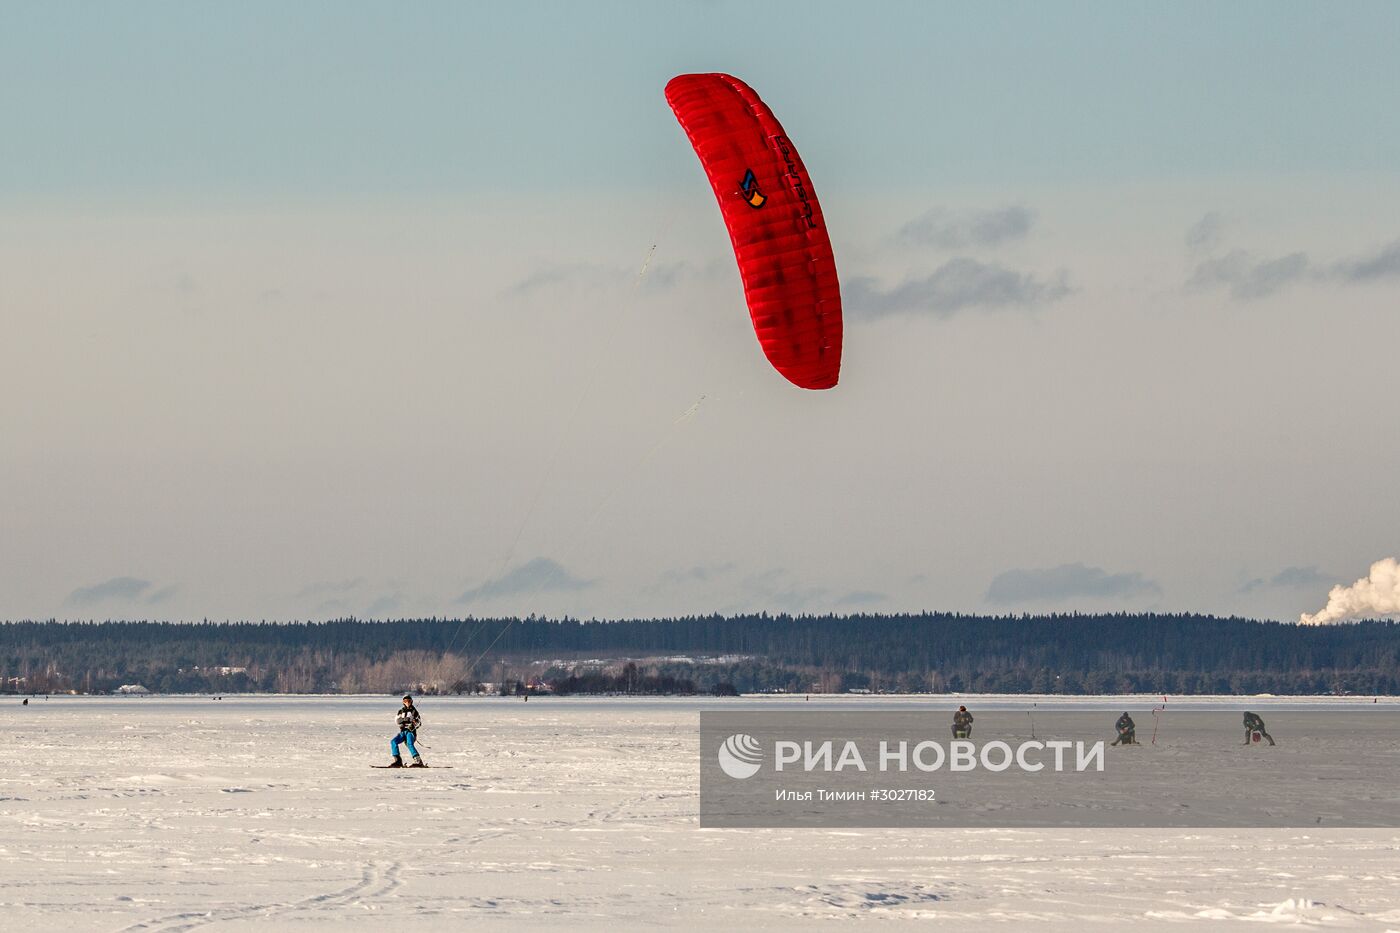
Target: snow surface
257,813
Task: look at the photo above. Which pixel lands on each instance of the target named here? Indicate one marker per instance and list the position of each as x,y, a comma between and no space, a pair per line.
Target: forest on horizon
914,653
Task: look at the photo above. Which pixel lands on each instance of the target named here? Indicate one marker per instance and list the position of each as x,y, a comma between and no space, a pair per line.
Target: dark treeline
630,680
1069,653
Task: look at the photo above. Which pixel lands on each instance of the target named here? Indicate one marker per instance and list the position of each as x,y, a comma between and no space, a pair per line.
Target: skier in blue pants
408,721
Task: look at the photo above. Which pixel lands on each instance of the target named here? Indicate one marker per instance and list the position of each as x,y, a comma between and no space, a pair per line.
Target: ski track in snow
169,815
376,881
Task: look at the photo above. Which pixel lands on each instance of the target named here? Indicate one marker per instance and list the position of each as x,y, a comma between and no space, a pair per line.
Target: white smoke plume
1377,594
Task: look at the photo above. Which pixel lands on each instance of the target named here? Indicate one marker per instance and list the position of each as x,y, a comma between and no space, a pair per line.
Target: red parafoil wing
774,221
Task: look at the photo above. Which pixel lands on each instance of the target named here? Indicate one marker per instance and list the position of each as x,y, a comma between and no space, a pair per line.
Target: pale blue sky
300,300
340,100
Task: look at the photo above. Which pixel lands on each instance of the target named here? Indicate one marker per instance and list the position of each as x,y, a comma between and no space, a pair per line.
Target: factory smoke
1373,596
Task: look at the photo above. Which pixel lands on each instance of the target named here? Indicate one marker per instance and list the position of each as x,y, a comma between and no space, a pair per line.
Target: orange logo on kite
751,192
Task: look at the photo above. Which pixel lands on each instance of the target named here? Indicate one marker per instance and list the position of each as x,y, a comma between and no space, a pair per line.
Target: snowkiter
408,721
1127,730
962,724
1253,724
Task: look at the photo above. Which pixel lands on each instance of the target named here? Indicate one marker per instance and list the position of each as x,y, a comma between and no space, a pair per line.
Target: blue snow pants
403,737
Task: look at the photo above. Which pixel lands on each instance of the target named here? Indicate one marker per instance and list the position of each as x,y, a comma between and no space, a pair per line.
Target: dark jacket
1125,724
408,719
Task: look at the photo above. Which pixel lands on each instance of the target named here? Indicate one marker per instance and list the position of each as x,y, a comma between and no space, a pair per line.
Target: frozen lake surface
256,813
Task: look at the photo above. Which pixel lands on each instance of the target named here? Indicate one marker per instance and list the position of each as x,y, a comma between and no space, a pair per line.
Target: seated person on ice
407,721
1127,730
962,724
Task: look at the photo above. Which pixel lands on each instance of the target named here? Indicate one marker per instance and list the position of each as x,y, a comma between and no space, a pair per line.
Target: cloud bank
957,285
860,599
1382,264
1248,276
1204,234
117,588
540,575
947,230
1067,581
1290,578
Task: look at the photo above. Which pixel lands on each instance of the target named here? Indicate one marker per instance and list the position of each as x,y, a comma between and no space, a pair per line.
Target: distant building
132,690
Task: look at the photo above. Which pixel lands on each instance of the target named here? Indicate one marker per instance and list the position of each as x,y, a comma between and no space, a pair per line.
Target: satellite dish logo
750,189
740,756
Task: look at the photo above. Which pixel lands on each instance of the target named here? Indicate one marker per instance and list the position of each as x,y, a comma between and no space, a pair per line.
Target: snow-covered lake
167,814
